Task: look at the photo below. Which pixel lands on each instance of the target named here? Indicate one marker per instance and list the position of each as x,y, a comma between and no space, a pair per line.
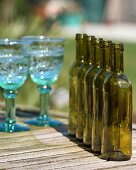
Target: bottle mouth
85,36
78,36
118,46
91,39
107,43
99,42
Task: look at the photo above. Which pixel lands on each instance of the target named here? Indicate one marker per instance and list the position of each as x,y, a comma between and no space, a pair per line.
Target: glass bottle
117,118
73,85
105,63
80,88
90,75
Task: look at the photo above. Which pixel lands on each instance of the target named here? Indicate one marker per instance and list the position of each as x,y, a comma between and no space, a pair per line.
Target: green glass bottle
80,89
105,64
117,118
72,124
86,132
90,75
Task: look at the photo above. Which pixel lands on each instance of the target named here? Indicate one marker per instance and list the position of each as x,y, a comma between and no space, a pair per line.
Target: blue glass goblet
14,66
45,65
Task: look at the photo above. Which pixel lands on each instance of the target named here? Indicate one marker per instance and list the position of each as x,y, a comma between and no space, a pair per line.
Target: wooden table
52,148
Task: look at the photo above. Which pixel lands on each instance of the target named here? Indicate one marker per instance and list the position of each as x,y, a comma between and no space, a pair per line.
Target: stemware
45,64
14,66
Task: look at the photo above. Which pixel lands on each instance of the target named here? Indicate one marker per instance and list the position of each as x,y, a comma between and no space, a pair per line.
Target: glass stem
44,104
44,96
10,106
10,109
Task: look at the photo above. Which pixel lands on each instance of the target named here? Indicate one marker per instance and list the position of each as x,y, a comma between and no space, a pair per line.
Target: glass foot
4,127
46,121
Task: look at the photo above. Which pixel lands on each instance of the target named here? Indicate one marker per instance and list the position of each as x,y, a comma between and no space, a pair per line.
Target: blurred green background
51,17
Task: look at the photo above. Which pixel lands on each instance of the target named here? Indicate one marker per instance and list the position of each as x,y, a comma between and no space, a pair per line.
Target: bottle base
79,137
96,149
87,142
72,133
96,152
87,145
115,156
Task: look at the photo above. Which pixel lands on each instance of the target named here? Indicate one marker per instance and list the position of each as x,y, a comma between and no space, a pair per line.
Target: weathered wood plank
52,148
45,160
86,162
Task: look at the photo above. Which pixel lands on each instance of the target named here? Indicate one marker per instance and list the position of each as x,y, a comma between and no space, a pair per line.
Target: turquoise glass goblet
14,66
45,65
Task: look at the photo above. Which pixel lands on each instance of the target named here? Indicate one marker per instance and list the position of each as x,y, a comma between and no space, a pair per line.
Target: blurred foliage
17,19
31,26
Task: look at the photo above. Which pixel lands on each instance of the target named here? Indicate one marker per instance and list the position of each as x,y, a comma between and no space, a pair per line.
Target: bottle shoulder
92,73
74,68
83,69
118,80
102,76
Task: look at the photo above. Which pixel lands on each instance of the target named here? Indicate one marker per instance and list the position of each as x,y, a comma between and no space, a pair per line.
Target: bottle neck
105,62
117,63
91,49
79,50
86,52
97,56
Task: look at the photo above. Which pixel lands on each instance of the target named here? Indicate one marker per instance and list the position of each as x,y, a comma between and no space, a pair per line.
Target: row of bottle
100,103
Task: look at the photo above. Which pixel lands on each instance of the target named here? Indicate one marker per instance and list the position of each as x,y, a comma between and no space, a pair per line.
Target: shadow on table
63,129
22,113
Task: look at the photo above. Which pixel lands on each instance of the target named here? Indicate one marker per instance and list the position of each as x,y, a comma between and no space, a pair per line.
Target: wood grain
51,148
